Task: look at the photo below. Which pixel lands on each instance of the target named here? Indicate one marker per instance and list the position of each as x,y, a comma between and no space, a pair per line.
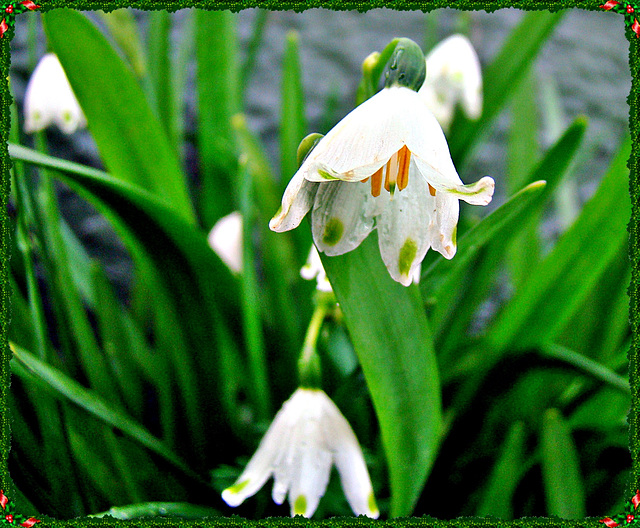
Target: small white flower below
453,76
50,99
306,437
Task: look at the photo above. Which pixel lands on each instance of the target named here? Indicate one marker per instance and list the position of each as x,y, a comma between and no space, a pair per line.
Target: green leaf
563,485
131,142
502,77
391,337
588,366
195,288
559,285
499,492
161,52
183,510
69,389
253,48
124,30
293,127
218,89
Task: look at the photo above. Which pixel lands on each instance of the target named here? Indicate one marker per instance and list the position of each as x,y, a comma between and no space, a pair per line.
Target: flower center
395,172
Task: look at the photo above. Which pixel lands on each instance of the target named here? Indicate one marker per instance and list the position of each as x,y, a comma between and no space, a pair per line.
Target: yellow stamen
432,191
376,183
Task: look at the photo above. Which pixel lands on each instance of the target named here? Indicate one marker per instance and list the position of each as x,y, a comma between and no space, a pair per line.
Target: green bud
407,66
307,145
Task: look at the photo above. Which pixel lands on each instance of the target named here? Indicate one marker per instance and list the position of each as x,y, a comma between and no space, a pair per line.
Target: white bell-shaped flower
307,436
50,99
393,142
453,76
225,238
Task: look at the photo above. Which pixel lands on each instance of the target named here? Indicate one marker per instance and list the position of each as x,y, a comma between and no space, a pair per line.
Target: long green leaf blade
130,139
561,468
71,390
391,336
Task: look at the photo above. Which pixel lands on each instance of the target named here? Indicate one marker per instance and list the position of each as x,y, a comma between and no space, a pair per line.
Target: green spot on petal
333,231
300,506
408,253
373,507
66,116
326,175
454,235
238,486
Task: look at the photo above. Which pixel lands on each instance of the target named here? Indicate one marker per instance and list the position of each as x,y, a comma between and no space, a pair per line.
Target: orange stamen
404,157
432,191
376,182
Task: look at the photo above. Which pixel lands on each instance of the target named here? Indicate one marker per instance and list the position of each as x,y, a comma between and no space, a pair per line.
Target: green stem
309,362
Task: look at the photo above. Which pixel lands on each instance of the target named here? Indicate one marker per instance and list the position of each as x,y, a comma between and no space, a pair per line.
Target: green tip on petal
408,253
371,503
300,506
407,66
333,232
238,487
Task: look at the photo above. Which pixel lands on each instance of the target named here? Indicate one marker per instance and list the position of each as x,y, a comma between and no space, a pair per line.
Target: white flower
453,76
307,435
392,138
49,99
313,269
225,238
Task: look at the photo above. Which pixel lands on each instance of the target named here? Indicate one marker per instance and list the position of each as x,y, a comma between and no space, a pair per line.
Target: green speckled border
360,5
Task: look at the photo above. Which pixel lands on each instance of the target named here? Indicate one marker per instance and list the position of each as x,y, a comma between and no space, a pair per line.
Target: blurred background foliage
145,389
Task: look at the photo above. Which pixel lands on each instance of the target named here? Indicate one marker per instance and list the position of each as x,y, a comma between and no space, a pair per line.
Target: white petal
296,202
404,233
443,230
478,193
349,462
343,216
49,98
262,463
364,140
225,238
312,467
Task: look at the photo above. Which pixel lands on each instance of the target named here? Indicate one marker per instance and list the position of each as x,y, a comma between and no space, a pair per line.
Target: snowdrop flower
307,435
225,238
453,76
393,142
313,269
49,99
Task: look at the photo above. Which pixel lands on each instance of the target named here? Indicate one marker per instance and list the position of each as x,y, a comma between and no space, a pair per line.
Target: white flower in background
49,99
225,238
313,269
453,76
306,437
392,140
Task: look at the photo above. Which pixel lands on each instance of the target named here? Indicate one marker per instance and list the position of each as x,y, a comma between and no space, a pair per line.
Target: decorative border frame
632,31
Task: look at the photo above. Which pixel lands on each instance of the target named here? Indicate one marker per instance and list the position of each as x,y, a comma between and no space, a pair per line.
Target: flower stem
309,363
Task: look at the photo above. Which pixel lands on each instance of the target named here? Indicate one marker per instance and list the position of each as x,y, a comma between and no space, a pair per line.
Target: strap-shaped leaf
391,336
131,141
